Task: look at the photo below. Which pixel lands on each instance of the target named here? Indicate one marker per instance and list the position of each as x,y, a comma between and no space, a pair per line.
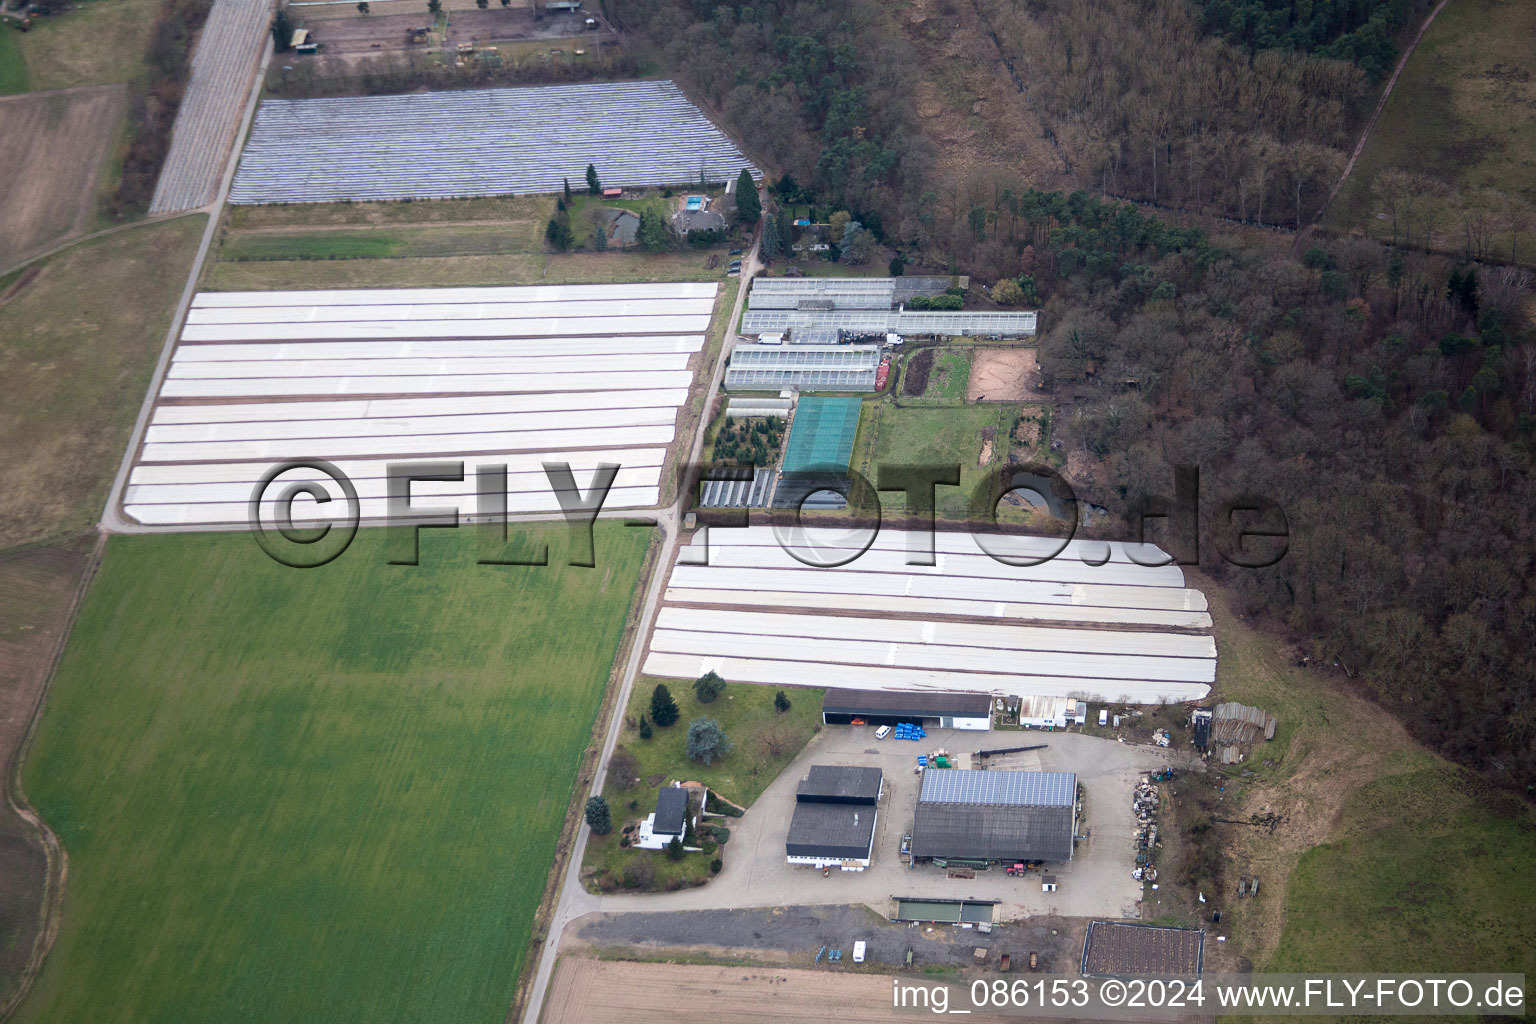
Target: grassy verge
37,591
13,66
318,215
325,795
1386,858
79,344
504,269
376,243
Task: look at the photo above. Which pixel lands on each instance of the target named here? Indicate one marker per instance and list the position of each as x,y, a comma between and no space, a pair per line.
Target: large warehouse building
834,820
932,709
995,815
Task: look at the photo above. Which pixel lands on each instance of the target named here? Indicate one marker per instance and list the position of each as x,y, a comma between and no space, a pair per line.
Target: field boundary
56,875
159,218
591,757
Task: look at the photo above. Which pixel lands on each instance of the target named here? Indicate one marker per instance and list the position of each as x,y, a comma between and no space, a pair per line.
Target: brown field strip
55,143
613,992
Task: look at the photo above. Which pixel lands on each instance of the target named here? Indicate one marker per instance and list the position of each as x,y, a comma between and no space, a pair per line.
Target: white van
882,732
1103,717
858,952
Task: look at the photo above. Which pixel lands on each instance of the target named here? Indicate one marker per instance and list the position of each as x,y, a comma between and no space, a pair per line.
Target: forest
1386,402
1359,31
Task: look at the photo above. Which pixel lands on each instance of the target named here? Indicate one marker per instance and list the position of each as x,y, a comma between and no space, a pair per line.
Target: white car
882,732
858,952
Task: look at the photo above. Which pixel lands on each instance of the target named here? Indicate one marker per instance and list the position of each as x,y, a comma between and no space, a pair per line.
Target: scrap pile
1145,804
1235,727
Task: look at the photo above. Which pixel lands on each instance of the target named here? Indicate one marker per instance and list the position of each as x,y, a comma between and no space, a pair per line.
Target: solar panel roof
1019,789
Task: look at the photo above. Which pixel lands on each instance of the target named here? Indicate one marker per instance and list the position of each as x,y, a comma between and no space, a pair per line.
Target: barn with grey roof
834,819
995,815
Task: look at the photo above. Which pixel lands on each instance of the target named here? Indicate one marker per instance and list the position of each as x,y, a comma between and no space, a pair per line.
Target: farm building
803,367
834,820
931,709
892,321
841,292
822,434
945,911
669,821
621,228
697,220
1046,712
1120,949
995,815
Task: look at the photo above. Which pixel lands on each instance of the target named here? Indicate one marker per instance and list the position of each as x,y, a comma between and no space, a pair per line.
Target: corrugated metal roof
990,831
908,703
1019,789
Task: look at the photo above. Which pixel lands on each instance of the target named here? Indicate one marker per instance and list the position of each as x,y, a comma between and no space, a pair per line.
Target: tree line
153,102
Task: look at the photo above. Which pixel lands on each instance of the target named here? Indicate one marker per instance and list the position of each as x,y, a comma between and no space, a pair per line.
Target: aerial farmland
871,619
480,143
499,376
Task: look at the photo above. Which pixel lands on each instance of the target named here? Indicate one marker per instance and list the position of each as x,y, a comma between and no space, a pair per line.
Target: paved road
574,901
111,521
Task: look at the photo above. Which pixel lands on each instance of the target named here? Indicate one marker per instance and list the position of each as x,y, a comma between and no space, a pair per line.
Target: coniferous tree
748,206
598,815
663,708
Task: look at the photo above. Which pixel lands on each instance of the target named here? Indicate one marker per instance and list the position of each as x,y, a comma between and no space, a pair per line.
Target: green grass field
316,795
376,243
765,741
394,213
78,345
1463,111
917,435
1391,859
946,382
92,44
13,66
469,271
1422,877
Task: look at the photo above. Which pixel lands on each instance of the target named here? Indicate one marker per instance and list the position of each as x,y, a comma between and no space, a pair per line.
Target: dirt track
614,992
38,588
1002,374
49,165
